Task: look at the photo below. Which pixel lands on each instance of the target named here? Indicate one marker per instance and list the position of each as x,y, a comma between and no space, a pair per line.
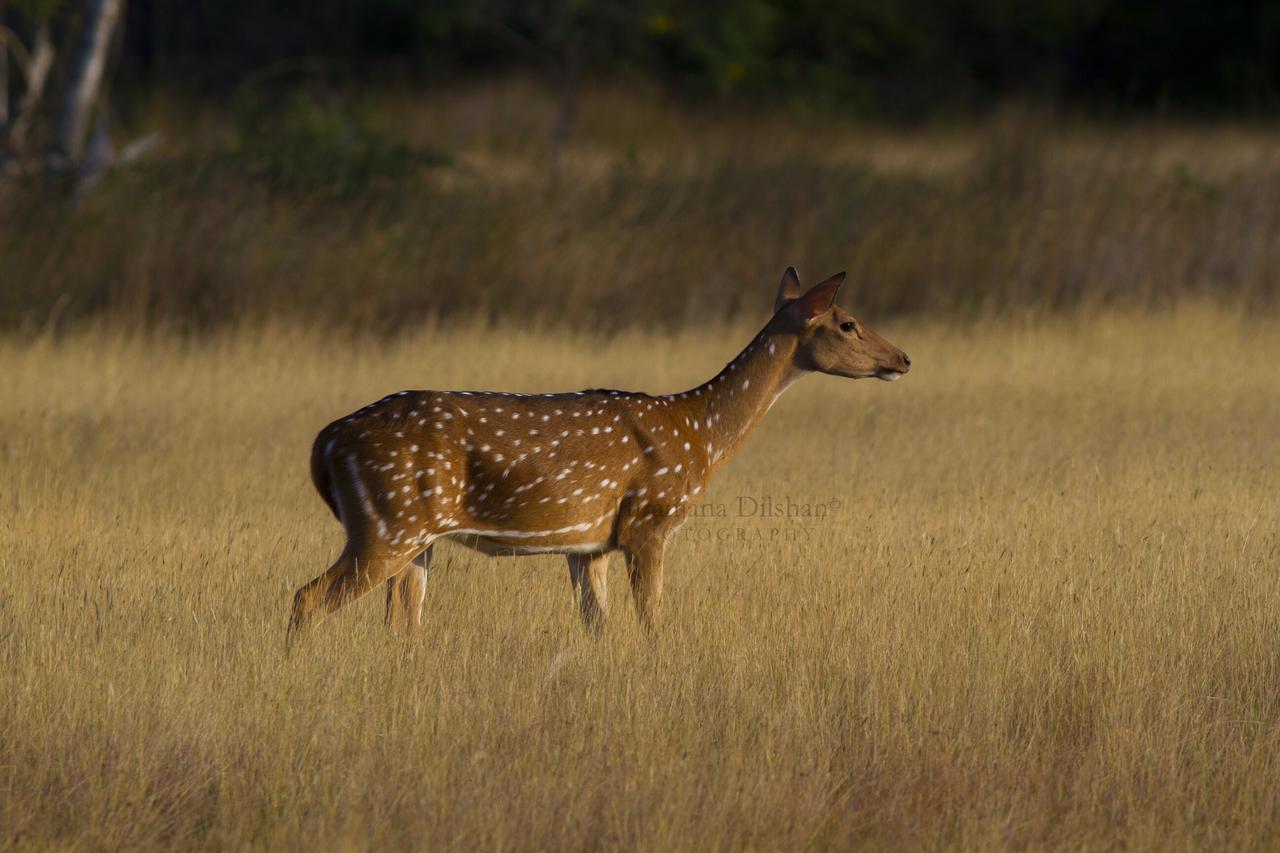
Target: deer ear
788,290
821,297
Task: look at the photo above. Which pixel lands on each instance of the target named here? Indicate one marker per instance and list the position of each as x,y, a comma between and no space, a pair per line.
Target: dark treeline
884,58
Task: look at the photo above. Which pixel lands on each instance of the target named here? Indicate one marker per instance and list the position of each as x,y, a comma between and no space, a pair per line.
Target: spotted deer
580,474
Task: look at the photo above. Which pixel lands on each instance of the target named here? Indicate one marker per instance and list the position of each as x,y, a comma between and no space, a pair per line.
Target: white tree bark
38,68
88,68
4,77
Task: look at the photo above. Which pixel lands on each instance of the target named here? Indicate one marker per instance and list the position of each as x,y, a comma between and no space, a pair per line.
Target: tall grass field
371,210
1027,597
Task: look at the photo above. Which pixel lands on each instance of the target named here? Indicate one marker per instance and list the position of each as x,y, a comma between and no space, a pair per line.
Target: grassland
1042,610
372,210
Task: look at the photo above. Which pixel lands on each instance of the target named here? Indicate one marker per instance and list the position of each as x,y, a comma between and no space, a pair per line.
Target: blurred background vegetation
386,162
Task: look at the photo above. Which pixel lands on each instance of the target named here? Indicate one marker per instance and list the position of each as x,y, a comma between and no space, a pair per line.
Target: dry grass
665,214
1043,610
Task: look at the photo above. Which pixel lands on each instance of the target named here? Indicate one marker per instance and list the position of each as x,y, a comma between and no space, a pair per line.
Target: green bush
310,148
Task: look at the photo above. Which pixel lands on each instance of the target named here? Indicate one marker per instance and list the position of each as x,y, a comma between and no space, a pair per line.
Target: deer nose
906,360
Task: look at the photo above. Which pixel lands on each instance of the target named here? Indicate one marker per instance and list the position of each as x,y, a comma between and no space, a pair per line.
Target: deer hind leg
405,593
358,570
644,569
589,573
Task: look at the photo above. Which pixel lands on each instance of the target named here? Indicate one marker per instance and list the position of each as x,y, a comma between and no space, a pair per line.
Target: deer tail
320,471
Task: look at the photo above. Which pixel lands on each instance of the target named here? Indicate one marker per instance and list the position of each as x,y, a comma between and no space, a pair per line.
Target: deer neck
730,405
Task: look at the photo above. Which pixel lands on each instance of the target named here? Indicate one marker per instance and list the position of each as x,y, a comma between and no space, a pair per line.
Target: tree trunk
87,70
4,79
98,157
37,76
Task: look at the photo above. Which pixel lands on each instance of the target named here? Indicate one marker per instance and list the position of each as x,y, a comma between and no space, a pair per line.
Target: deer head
829,338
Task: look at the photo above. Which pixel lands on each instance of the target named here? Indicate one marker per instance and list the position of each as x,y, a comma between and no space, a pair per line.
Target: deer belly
578,527
534,506
505,546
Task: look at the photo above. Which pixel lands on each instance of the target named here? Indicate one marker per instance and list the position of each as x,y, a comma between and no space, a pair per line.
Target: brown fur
582,474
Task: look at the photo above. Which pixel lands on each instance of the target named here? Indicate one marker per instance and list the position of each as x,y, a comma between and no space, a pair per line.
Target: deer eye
847,326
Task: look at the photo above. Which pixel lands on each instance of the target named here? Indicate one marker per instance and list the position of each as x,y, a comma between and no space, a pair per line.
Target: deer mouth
886,374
